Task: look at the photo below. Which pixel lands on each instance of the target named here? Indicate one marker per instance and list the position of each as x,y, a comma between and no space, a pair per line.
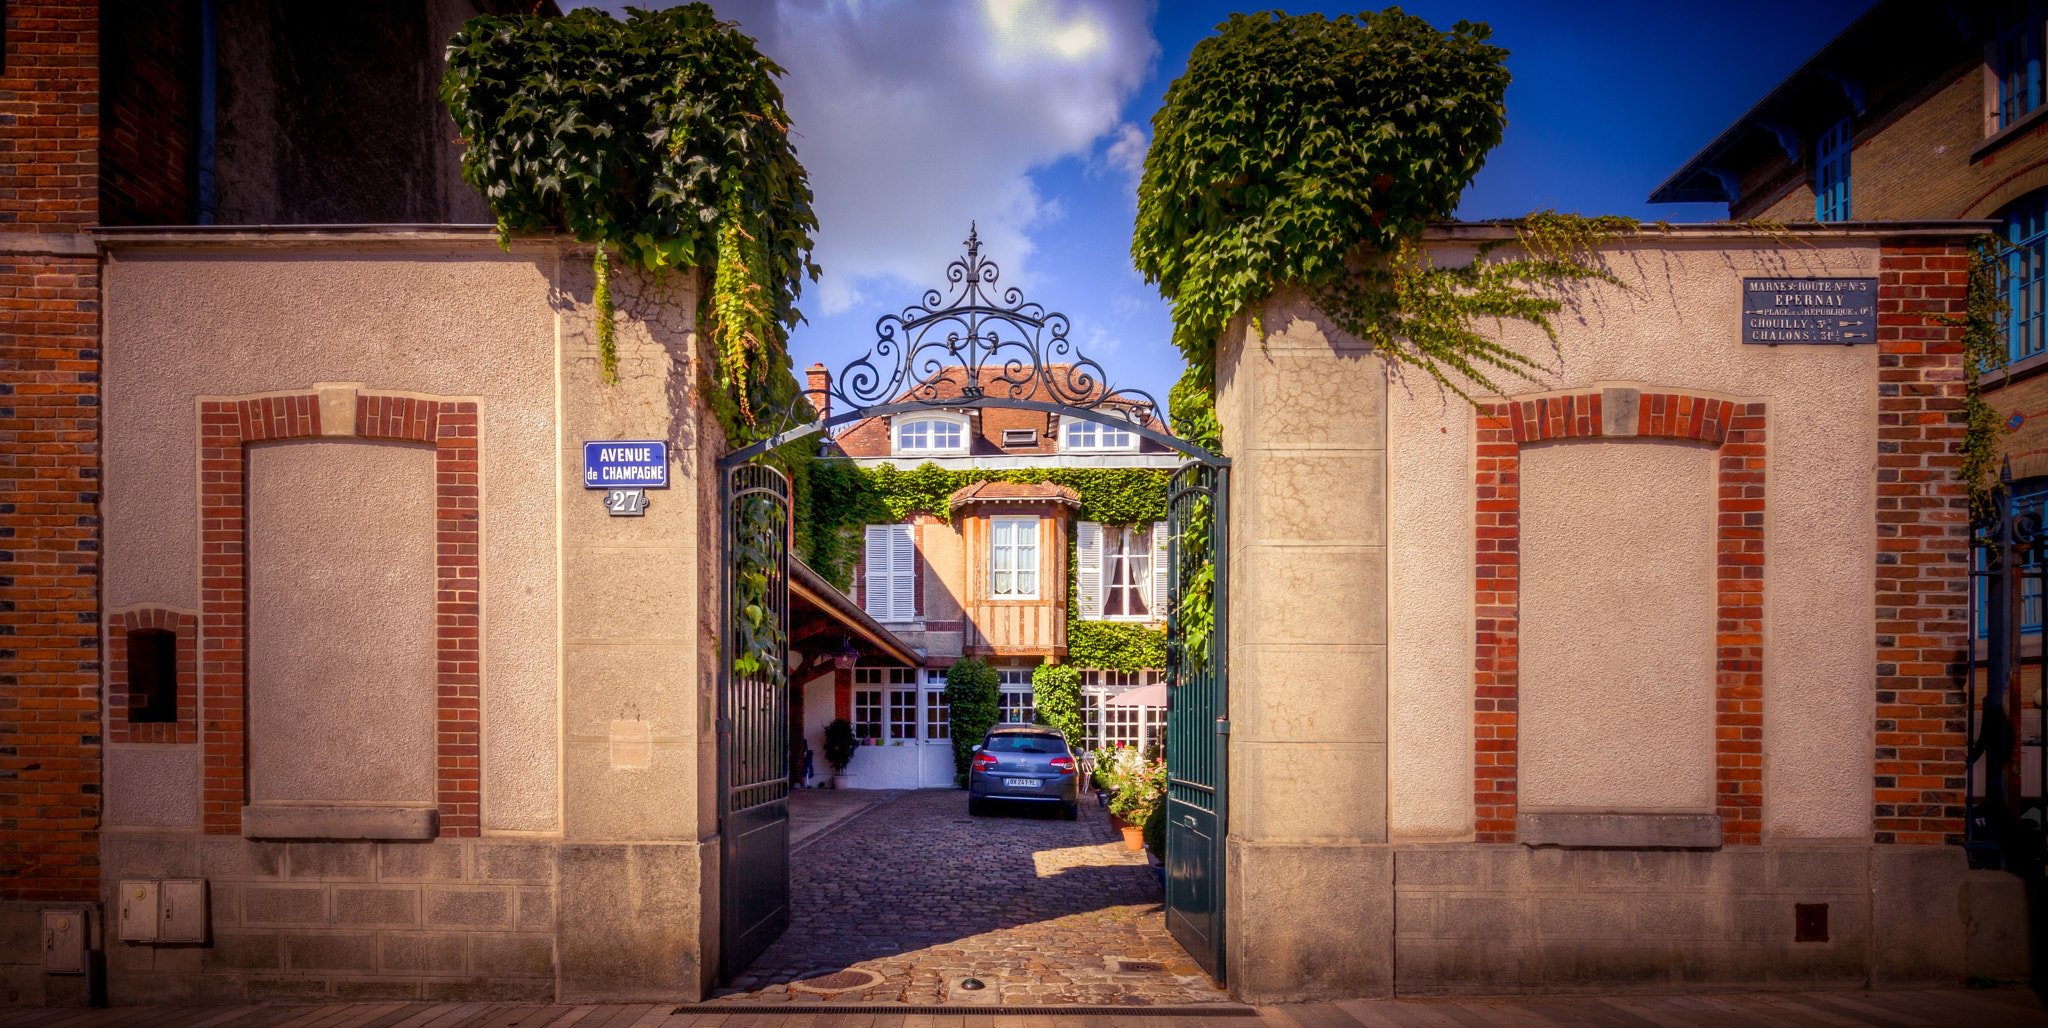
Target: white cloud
1127,153
915,117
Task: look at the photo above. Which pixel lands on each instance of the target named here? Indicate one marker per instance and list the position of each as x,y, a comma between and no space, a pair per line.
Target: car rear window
1026,744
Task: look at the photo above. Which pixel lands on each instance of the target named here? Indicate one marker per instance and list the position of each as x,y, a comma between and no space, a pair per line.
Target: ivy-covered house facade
1016,537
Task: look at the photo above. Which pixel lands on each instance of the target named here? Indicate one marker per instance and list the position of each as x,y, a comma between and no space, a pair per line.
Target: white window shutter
903,574
1159,570
876,595
1088,569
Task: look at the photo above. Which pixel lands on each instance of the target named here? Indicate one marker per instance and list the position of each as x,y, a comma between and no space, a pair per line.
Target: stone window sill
1618,831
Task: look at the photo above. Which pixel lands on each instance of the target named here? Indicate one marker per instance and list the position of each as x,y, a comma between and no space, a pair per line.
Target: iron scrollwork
974,339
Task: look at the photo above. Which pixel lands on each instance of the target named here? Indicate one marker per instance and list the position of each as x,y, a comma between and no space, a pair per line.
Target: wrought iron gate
2004,827
1197,725
969,346
753,718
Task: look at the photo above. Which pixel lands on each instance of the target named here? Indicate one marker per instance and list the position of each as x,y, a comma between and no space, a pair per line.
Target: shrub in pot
1155,831
1142,790
840,745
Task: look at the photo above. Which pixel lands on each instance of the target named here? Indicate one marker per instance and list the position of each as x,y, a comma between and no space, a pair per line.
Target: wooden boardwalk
1904,1009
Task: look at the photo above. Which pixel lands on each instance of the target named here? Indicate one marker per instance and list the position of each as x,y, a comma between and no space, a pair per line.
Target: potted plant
1142,791
839,747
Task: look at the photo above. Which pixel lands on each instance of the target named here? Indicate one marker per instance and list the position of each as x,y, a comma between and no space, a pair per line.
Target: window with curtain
1013,558
1120,571
2026,228
1831,174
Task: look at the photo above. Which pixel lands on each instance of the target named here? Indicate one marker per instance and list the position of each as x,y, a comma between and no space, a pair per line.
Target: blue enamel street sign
625,464
1822,311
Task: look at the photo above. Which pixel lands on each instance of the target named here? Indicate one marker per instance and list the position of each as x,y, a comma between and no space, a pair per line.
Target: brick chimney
820,390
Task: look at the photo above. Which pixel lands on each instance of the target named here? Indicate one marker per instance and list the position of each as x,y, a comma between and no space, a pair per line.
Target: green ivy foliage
1983,349
1312,152
662,137
1056,701
1113,496
972,696
1114,645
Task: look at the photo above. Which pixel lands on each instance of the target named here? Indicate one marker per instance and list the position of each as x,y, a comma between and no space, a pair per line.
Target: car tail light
1064,765
984,762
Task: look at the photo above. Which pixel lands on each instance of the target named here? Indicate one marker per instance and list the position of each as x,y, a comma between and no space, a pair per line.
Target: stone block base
1311,922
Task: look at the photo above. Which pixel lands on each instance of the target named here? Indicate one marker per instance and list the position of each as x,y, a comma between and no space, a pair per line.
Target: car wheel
1070,811
977,807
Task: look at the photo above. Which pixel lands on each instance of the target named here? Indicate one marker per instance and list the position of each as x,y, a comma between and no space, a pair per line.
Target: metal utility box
163,910
138,912
64,941
184,910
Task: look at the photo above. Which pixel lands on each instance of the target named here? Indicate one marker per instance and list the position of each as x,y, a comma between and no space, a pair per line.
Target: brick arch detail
184,625
227,425
1737,427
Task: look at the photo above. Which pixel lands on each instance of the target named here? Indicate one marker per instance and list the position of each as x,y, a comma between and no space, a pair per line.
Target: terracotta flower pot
1134,837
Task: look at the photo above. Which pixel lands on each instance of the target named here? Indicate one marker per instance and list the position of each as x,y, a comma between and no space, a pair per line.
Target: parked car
1024,764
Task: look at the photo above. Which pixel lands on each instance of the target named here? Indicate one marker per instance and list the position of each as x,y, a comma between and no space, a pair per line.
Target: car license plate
1020,783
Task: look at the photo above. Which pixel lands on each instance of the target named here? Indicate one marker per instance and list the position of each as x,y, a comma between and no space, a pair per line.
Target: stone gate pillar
638,863
1309,879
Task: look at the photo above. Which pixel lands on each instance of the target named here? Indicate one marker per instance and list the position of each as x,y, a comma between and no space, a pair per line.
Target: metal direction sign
1814,311
625,464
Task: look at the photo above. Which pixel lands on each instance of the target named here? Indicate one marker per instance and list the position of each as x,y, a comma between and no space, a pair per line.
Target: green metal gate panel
753,718
1197,729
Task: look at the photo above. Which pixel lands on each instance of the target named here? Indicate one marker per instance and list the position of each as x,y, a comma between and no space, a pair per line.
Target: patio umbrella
1143,696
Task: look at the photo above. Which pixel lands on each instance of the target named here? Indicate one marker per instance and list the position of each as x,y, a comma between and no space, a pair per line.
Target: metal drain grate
1122,965
1195,1010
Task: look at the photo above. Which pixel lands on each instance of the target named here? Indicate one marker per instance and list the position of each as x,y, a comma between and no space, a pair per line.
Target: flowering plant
1140,790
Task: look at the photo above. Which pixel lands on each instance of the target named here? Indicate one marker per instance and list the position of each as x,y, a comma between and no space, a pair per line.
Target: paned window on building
884,703
1831,173
2026,265
1107,724
938,723
2028,494
1120,571
931,435
1089,435
2019,56
1013,557
1013,702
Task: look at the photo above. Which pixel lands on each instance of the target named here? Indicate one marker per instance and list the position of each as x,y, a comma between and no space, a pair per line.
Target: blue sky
914,116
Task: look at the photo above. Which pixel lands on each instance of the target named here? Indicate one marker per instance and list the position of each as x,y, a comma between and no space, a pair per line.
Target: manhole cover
838,981
1125,965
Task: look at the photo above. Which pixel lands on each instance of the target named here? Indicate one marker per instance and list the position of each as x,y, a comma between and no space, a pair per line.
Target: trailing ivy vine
1312,152
662,139
972,706
1984,349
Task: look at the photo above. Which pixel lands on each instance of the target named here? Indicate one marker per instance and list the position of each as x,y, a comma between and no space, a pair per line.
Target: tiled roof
999,492
869,438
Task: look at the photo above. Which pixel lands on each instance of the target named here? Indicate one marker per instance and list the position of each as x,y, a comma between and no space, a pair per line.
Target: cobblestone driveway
1040,909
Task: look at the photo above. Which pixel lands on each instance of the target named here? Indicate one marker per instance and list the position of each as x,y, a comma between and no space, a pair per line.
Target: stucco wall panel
462,320
1676,326
341,622
153,786
1618,597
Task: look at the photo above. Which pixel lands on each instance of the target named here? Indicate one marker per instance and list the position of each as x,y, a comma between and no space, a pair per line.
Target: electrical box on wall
64,941
138,911
163,910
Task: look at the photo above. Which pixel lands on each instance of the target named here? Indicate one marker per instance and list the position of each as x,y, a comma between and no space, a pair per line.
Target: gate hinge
1222,726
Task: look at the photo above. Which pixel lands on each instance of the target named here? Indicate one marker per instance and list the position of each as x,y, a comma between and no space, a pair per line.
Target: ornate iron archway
971,344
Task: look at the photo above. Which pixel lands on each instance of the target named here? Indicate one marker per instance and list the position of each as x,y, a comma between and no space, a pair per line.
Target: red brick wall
49,122
147,111
1738,429
1923,547
49,579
